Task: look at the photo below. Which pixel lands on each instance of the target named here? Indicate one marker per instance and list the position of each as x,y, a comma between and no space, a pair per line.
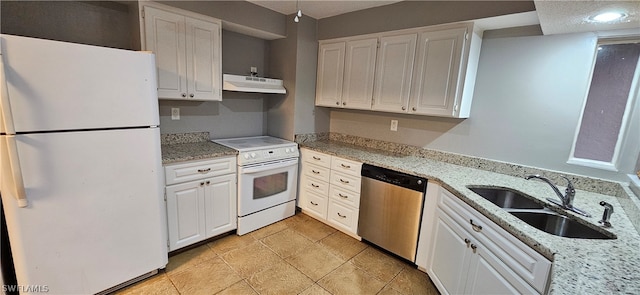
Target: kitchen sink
506,198
560,225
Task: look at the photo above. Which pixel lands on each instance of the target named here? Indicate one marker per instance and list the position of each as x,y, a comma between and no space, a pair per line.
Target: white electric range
267,180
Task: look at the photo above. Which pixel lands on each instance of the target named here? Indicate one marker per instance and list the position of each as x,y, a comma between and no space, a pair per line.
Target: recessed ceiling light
607,17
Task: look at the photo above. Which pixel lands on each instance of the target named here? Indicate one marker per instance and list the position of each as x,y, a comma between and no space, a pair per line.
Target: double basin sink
534,213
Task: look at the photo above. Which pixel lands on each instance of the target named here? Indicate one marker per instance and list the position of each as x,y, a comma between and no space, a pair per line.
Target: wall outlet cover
394,125
175,113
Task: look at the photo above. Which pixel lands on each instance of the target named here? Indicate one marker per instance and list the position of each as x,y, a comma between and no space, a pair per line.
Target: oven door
264,185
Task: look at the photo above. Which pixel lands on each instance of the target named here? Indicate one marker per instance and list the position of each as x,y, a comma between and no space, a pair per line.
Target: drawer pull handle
344,181
315,172
343,196
315,185
316,158
312,203
204,170
467,241
345,166
342,216
475,227
474,247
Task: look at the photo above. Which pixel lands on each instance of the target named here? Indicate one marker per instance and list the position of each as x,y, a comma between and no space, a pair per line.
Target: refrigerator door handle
12,148
16,171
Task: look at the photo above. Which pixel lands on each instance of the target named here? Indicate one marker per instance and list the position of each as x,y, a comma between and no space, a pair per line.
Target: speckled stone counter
580,266
191,146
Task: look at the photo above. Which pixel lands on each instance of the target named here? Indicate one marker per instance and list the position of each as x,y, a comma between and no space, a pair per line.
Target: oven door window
269,185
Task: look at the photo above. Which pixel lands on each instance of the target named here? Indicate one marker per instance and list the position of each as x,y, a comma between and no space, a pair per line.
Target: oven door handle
268,167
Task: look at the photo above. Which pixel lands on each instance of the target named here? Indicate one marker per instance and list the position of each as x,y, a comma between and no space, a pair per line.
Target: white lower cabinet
203,208
469,254
330,190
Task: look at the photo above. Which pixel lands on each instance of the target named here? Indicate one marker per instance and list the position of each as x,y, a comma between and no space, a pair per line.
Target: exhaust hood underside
252,84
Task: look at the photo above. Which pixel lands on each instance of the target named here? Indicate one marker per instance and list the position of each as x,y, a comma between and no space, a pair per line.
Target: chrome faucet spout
570,192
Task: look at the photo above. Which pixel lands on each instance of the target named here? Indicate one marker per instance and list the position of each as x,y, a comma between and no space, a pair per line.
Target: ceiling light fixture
606,17
299,13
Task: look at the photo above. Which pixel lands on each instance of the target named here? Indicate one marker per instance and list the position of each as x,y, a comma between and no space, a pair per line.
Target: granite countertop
191,146
580,266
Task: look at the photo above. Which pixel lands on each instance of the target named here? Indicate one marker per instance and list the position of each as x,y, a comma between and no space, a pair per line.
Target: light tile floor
298,255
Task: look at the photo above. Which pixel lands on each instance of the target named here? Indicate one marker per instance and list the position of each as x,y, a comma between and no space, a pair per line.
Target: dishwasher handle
394,177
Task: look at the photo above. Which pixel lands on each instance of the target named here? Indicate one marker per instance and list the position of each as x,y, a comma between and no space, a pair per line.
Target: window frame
634,93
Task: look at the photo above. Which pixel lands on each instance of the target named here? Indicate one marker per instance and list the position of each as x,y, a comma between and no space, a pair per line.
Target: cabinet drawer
343,216
315,204
314,185
344,196
315,171
316,158
346,166
345,181
179,173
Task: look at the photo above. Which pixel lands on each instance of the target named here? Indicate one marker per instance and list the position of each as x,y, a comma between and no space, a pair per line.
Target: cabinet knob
404,108
337,103
344,103
183,95
202,183
191,95
474,247
467,241
208,182
414,109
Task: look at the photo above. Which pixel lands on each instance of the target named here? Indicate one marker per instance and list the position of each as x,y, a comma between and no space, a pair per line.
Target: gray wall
295,60
410,14
239,114
99,23
528,97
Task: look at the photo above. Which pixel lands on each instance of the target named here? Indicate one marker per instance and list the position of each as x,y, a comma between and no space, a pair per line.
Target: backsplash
595,185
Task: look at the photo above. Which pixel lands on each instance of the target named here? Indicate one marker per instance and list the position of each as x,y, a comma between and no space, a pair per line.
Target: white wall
528,97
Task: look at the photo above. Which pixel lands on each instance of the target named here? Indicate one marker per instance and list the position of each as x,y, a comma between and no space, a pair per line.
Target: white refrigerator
81,172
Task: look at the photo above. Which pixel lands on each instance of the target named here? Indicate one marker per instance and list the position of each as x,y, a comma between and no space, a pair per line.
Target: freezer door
65,86
96,211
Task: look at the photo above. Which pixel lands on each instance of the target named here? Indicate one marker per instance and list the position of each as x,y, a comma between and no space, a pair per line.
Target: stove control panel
258,156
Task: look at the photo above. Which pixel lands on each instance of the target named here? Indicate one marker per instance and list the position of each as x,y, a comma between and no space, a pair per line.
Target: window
606,111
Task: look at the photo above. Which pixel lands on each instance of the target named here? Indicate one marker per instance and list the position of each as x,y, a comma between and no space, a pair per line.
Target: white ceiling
558,17
320,9
555,16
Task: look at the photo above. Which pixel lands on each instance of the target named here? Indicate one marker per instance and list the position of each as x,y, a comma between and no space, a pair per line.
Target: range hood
252,84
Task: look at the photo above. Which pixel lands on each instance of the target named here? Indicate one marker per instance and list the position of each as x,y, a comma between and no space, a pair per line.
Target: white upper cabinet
422,71
393,73
188,54
359,71
437,71
330,74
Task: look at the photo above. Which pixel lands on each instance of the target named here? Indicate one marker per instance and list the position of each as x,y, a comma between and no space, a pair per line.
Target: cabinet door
489,275
450,255
185,214
330,74
435,88
220,205
393,73
203,60
359,72
165,37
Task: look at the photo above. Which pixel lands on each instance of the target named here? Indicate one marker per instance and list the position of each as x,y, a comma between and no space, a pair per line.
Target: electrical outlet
175,113
394,125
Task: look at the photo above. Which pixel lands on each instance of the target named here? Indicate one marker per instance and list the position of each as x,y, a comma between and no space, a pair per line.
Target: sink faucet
606,215
566,200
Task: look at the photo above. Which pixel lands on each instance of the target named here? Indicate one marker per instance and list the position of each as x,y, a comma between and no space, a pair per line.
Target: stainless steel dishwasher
390,209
